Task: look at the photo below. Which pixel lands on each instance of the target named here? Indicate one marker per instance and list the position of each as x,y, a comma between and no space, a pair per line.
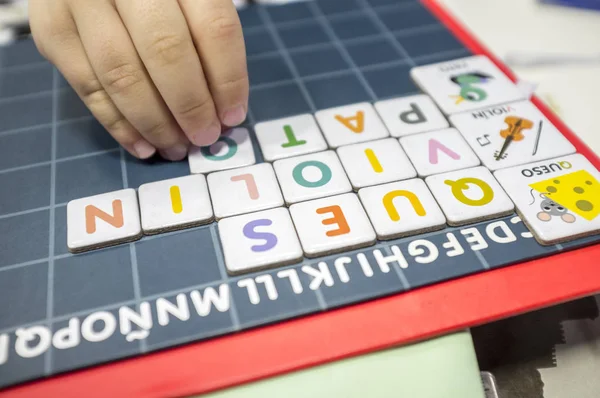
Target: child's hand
158,74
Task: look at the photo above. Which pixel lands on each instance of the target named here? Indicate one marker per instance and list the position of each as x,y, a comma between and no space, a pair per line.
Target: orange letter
91,212
338,218
359,121
250,184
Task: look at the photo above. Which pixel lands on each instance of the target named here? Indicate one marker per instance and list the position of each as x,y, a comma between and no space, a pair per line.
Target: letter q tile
469,195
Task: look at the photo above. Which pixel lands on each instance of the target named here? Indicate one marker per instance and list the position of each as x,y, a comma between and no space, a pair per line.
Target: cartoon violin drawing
514,132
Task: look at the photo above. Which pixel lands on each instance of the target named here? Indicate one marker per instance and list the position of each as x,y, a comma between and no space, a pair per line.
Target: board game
317,70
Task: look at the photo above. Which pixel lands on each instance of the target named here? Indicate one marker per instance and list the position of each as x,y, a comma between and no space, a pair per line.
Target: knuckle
167,49
119,129
121,78
197,108
158,134
234,84
92,93
223,27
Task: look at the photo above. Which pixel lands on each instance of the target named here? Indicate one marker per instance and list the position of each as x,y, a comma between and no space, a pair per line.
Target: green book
445,367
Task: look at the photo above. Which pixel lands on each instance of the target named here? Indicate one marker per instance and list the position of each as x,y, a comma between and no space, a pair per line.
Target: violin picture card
511,134
466,84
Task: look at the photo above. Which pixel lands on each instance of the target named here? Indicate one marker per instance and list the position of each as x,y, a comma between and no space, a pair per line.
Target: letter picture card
557,198
466,84
388,174
511,134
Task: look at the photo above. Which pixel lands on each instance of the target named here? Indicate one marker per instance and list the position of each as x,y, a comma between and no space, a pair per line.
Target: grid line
325,24
350,41
235,319
52,220
324,75
271,28
42,125
339,16
482,259
61,160
397,270
286,56
115,305
132,252
384,29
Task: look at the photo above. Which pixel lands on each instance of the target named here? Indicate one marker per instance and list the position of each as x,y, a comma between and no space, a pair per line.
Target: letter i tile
233,149
103,220
292,136
244,190
469,195
402,209
375,162
351,124
177,203
332,225
259,240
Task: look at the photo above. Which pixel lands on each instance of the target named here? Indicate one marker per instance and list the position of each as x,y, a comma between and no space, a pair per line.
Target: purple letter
270,239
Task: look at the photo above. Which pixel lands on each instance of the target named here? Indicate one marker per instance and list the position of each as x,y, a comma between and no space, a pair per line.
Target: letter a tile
351,124
469,195
259,240
402,209
103,220
332,225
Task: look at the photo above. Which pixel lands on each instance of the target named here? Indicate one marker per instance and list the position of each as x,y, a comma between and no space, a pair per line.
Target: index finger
217,33
163,40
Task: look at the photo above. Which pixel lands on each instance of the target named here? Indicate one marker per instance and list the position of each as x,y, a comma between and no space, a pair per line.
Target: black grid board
302,57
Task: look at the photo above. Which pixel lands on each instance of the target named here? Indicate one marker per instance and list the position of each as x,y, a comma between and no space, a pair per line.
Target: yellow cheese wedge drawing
578,191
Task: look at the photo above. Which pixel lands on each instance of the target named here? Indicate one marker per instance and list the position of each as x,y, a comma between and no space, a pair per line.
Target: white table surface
512,27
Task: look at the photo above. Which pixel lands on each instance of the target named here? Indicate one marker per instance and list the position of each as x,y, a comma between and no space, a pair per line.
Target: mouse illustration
550,208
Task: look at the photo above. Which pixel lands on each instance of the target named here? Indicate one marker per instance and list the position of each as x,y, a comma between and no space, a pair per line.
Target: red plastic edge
317,339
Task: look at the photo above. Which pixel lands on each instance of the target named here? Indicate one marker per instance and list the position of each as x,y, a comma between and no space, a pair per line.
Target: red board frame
321,338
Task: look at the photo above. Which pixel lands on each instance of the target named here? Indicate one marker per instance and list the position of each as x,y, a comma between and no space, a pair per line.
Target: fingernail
176,153
208,136
234,116
143,149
